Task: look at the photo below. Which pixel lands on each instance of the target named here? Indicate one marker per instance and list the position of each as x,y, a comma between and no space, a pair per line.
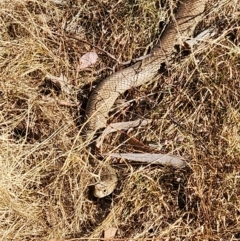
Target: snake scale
102,99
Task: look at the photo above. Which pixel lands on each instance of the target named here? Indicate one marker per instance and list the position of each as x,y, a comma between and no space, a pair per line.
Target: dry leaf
126,126
148,158
203,36
110,233
87,60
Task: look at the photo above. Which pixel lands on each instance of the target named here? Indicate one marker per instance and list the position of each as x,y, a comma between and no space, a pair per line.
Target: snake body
103,97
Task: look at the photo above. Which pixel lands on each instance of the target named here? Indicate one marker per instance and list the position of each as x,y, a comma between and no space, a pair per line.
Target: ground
46,164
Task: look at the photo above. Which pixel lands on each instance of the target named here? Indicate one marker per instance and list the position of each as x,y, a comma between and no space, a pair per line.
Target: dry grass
45,173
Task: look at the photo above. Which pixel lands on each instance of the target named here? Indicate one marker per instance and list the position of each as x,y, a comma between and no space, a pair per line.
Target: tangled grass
45,175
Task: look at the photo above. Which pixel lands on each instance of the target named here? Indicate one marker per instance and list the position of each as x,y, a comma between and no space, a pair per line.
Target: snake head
104,188
106,183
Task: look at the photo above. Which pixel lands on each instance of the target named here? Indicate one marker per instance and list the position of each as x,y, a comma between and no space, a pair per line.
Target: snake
189,13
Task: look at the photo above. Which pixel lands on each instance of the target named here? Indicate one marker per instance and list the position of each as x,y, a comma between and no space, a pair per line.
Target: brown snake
102,98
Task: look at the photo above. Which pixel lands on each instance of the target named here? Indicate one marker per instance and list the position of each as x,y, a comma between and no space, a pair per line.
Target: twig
107,53
92,45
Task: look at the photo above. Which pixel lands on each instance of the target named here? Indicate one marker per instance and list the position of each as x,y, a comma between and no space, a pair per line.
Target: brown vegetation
45,173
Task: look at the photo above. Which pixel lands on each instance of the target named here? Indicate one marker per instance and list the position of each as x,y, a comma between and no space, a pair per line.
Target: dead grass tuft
45,173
